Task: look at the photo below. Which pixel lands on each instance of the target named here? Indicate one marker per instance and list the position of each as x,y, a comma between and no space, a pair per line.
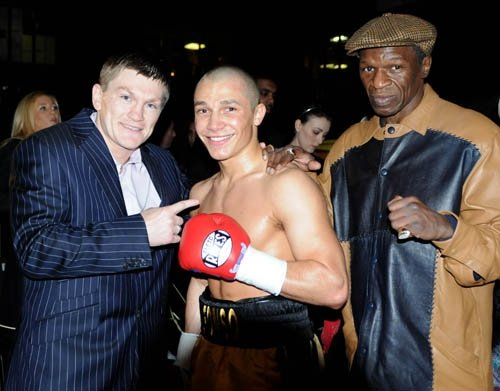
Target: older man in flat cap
414,191
422,232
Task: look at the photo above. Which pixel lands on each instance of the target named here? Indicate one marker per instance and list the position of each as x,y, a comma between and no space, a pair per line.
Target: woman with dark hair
311,128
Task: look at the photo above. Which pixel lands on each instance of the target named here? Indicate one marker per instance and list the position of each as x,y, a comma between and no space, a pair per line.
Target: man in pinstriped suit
95,221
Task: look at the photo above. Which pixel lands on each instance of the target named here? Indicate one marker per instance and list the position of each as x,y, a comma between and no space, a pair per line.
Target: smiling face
393,78
226,113
127,111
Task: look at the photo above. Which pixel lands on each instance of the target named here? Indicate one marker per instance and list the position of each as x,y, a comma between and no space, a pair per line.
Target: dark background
288,44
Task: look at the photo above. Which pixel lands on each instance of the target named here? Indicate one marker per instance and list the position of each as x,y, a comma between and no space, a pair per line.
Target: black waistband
261,322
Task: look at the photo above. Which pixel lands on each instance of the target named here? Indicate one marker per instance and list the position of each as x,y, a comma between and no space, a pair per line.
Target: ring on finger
404,233
290,152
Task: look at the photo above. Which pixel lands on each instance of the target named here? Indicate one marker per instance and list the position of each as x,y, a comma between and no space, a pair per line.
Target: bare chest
249,203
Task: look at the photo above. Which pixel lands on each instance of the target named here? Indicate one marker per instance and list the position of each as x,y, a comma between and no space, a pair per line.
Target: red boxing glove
216,245
213,244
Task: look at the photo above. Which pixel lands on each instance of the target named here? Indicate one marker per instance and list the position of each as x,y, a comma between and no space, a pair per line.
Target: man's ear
96,96
259,114
426,66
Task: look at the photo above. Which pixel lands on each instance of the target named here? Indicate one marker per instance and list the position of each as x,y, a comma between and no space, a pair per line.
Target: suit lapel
156,173
100,160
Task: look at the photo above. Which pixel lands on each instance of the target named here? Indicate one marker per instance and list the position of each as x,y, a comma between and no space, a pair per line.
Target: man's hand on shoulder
279,158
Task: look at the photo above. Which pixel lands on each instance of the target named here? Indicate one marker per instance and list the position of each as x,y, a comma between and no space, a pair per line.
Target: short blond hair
231,71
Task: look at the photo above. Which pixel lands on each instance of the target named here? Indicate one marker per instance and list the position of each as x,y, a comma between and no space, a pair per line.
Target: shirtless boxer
283,253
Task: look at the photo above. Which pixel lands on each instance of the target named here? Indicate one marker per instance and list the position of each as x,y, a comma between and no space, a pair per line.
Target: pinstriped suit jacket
95,292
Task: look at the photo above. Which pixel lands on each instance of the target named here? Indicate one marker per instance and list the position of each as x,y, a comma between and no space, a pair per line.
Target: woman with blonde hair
35,111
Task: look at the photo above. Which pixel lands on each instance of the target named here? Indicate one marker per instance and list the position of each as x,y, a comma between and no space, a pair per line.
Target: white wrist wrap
262,271
184,350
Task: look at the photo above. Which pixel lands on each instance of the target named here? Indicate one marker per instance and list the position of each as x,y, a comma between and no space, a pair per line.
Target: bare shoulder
292,189
292,177
202,188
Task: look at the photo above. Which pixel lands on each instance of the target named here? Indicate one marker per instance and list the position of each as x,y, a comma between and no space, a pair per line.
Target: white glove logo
216,249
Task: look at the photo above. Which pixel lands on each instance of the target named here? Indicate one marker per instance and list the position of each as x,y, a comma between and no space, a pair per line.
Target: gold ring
290,152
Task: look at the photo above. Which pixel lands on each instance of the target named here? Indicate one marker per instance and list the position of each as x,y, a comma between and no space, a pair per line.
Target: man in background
271,130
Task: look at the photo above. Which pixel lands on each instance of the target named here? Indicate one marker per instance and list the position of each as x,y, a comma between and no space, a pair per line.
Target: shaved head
231,72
